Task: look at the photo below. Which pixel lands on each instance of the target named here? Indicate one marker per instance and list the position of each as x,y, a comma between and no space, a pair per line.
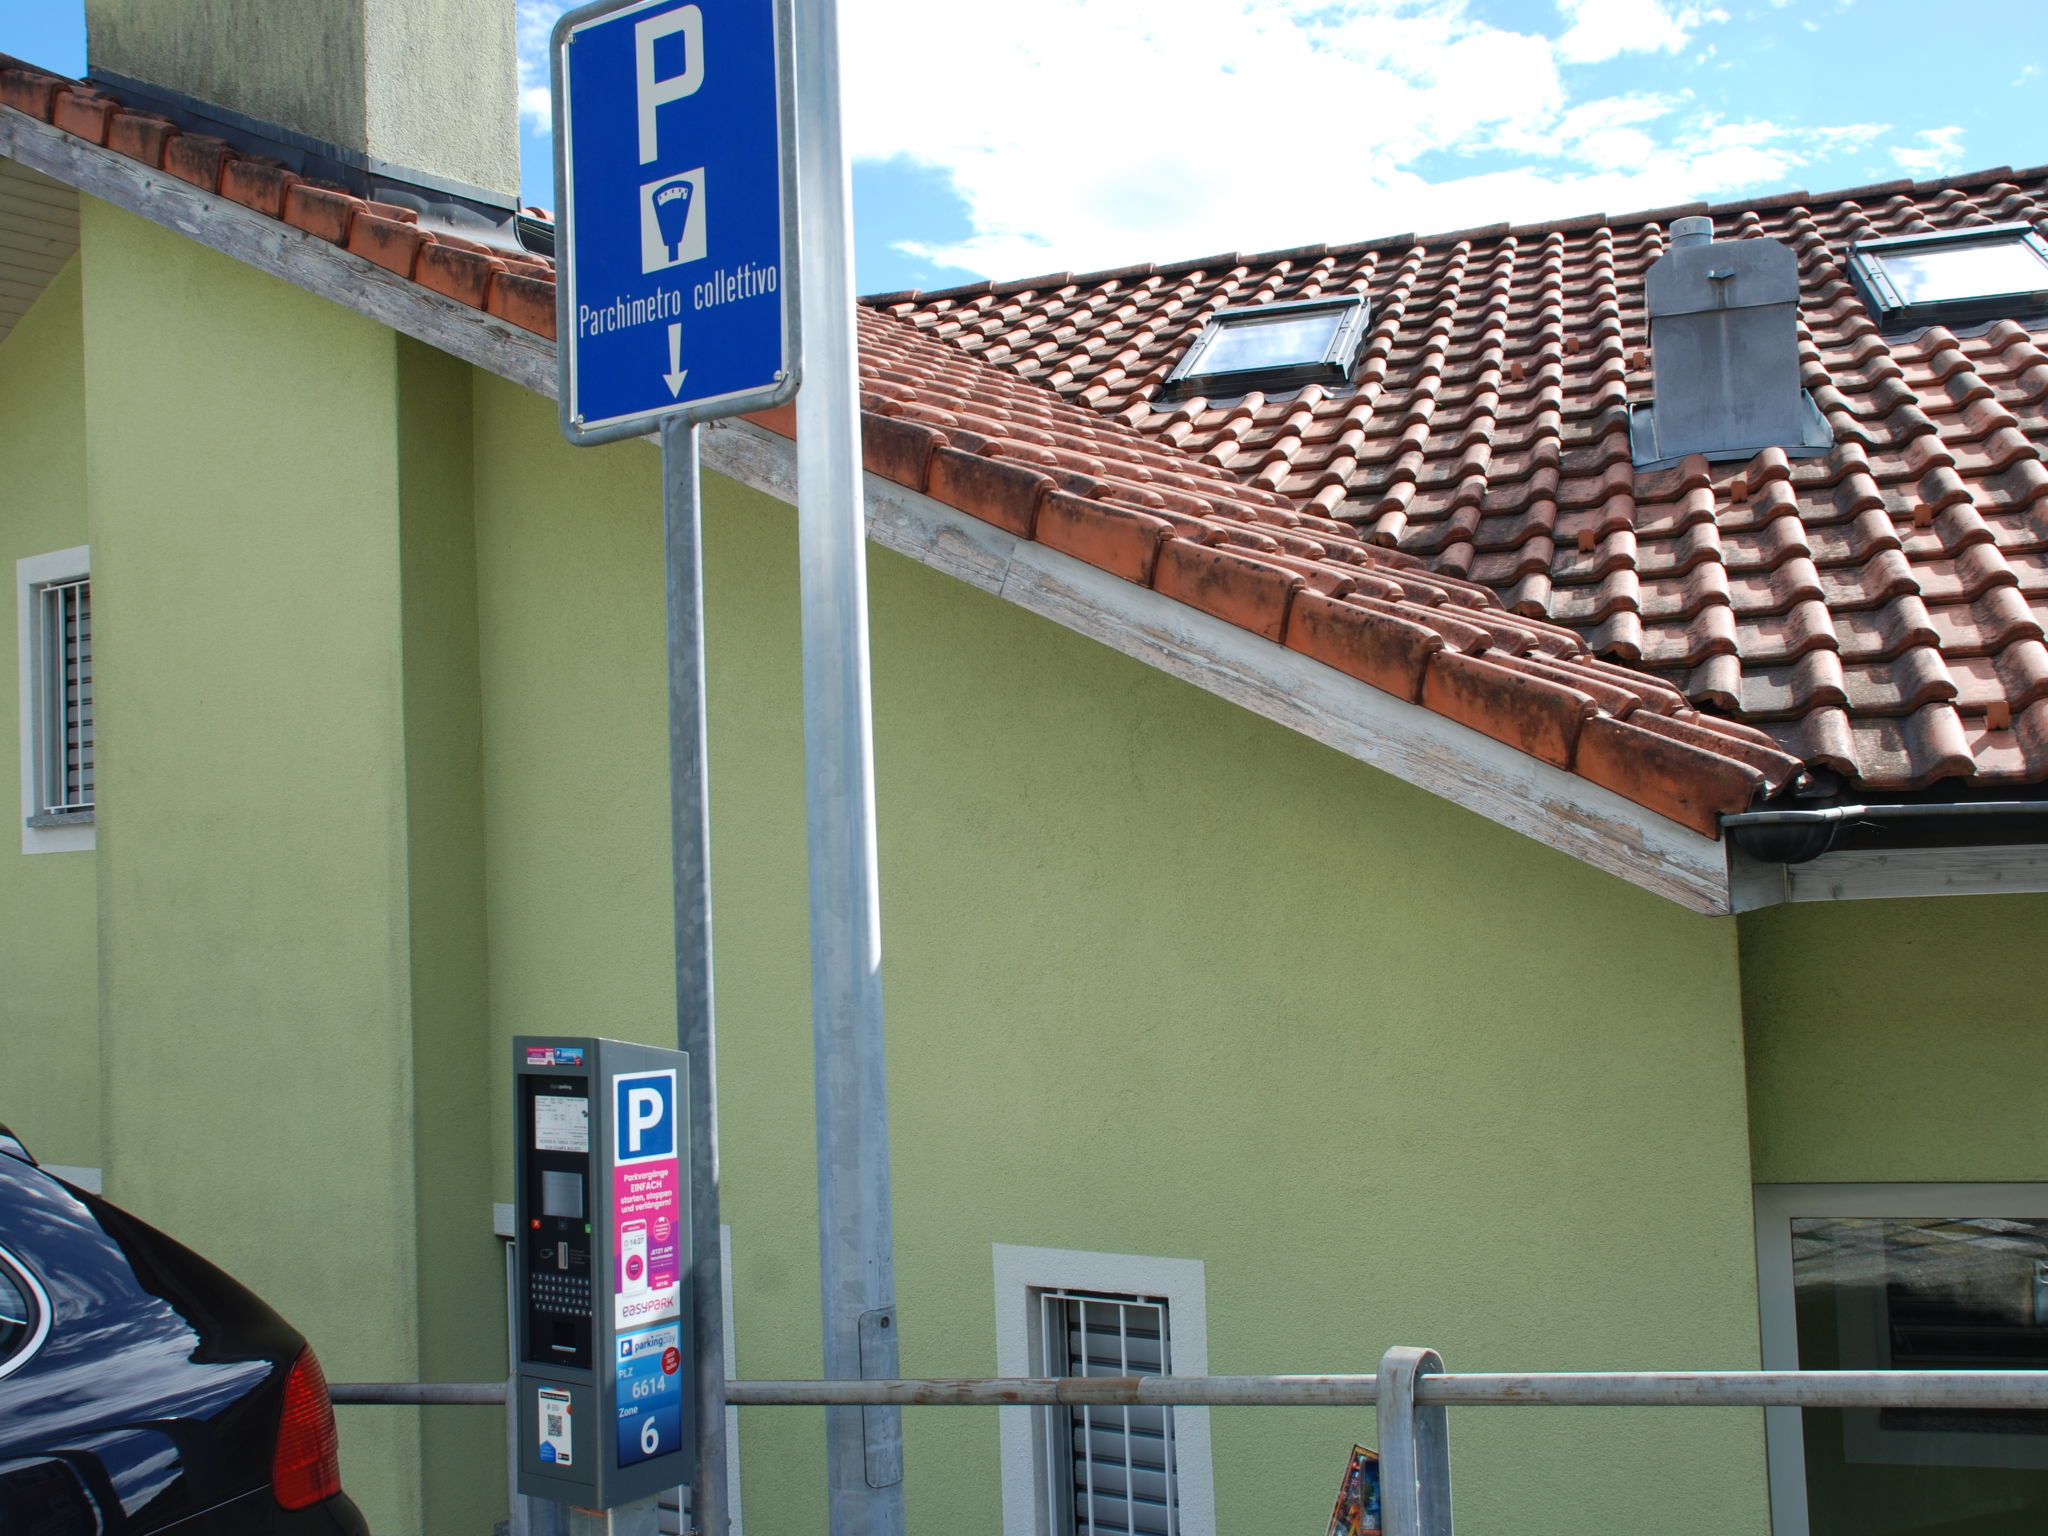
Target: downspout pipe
1795,836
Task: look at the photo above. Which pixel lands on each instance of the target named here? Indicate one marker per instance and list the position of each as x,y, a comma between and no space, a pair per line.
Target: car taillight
307,1466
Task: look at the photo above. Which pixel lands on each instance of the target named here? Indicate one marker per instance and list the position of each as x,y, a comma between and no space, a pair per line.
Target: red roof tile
1464,531
1873,611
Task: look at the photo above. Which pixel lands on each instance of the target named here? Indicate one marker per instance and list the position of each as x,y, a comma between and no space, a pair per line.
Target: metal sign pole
654,100
856,1251
690,832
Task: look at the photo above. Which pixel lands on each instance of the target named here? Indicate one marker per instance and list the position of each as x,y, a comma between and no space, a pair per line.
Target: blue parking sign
644,1115
675,241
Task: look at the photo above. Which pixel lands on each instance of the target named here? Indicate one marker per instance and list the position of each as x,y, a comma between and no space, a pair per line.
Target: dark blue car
144,1391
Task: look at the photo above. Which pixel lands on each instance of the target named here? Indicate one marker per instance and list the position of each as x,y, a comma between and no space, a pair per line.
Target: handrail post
1415,1448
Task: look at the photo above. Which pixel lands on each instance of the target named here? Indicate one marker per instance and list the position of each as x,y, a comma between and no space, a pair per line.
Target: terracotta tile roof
1878,612
1449,461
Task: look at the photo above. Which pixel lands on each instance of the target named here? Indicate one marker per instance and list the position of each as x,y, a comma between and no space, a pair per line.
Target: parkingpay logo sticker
650,1393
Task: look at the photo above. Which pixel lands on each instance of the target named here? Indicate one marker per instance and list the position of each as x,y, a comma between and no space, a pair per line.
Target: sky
1007,140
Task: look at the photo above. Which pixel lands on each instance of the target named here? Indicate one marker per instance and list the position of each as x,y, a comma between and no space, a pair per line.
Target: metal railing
1410,1393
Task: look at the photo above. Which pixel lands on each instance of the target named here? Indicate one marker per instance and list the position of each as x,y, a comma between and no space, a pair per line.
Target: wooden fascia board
1872,874
1413,744
272,246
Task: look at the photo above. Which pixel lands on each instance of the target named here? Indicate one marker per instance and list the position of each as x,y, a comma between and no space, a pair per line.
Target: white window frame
1021,1276
1776,1207
31,575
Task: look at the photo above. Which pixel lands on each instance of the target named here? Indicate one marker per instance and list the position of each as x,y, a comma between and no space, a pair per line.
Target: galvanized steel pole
856,1246
1415,1450
1519,1389
690,837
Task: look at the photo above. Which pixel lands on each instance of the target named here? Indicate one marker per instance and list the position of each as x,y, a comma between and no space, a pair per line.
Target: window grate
64,730
1109,1471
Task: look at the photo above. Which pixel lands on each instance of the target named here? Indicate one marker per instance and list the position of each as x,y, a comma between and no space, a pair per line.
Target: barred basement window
64,683
1954,277
53,595
1109,1471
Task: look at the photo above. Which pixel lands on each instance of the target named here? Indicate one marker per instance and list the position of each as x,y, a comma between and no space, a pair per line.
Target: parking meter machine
605,1401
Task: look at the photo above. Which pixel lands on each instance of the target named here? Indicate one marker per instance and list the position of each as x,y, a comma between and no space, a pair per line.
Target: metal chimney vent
1724,351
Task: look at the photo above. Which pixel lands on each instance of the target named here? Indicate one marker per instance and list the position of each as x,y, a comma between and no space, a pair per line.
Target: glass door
1905,1277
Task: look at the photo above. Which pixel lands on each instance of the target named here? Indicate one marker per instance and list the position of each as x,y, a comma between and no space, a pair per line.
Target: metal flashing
1816,439
299,151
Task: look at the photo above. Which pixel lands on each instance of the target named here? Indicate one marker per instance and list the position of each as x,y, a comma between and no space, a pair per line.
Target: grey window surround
63,706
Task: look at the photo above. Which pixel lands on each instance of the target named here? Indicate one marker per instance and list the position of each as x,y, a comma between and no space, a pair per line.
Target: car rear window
23,1313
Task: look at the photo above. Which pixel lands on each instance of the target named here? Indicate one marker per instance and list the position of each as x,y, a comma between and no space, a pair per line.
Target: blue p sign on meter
675,196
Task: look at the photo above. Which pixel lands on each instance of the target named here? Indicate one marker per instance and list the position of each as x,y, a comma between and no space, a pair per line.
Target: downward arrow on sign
676,372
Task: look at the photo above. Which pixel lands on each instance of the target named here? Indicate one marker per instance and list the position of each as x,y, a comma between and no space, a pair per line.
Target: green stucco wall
1898,1041
49,1005
1163,978
461,1273
277,509
384,757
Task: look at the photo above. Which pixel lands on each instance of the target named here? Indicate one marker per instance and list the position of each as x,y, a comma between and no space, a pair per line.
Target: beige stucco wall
432,85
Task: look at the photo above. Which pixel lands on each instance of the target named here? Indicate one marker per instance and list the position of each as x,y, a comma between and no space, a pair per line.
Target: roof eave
1416,745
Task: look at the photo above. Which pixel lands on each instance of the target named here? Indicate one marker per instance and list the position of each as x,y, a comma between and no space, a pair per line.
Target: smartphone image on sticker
633,1257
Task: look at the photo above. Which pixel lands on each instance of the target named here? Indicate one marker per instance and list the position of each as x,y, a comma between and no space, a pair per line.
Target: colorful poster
1358,1500
647,1201
556,1448
646,1218
650,1393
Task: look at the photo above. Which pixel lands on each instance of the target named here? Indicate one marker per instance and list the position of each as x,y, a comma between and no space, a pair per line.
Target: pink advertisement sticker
646,1211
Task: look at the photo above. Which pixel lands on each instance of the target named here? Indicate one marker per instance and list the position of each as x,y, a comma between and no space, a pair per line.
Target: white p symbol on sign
643,1113
654,93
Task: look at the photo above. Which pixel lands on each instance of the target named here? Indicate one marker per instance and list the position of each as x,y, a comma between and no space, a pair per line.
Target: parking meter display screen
561,1124
561,1194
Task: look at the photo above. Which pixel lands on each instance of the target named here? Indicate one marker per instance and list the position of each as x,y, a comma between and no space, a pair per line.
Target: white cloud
1939,152
536,18
1602,29
1090,133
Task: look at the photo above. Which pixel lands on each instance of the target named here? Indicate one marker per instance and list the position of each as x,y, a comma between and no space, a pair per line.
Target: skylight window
1272,347
1956,277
